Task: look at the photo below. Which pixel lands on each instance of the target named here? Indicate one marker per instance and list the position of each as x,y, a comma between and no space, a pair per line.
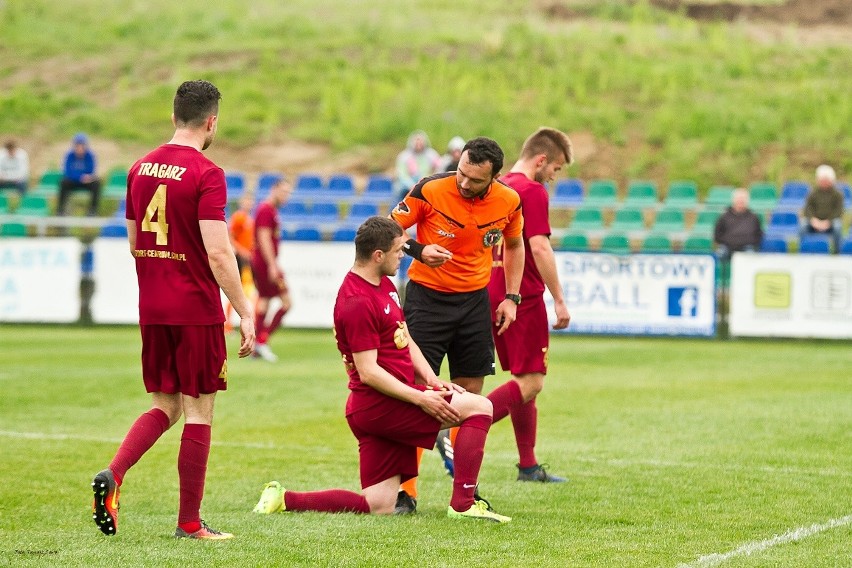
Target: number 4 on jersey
157,206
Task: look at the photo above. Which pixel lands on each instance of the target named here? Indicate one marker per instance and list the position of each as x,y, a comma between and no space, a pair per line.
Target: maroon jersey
535,203
369,317
266,216
168,192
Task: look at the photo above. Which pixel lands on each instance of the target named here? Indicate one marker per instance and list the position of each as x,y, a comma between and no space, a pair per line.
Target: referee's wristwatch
514,297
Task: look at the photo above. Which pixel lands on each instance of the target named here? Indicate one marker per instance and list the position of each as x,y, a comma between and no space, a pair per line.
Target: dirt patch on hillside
801,12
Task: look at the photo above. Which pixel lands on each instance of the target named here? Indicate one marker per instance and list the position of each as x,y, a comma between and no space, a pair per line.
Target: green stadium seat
719,197
4,204
627,220
577,242
669,221
587,219
13,230
48,185
705,223
116,185
641,194
696,244
763,196
682,194
33,205
657,244
602,193
615,243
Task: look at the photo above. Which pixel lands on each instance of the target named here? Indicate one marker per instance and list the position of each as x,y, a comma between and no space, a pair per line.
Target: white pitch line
46,436
750,548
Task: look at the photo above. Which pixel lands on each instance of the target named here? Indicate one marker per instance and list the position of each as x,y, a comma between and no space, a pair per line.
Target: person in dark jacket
78,173
738,228
823,211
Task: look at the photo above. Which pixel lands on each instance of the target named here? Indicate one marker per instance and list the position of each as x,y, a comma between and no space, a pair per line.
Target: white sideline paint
100,439
750,548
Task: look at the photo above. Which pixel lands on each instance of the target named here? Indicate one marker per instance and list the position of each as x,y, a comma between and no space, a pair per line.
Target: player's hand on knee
435,405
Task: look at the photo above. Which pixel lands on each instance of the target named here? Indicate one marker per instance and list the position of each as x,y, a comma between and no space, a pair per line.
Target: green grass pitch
688,453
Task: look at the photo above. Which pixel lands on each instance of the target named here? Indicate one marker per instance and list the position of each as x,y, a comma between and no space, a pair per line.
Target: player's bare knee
472,404
381,504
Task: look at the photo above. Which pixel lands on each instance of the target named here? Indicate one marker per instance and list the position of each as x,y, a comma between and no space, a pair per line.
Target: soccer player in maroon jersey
176,226
396,403
268,277
522,348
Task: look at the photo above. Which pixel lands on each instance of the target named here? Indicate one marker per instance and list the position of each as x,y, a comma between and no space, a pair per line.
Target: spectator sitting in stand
417,161
79,174
14,167
738,228
450,160
824,207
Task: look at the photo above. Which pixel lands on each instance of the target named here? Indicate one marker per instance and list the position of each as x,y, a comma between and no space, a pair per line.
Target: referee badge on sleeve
492,237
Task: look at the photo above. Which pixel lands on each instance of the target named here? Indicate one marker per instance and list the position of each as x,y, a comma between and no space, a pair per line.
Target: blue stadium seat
308,183
294,210
236,185
325,211
114,230
306,234
846,190
121,209
265,181
379,189
344,234
793,195
771,244
341,185
783,224
815,244
360,211
846,247
567,193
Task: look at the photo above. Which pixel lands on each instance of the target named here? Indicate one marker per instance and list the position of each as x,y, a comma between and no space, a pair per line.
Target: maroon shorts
523,346
389,434
190,359
266,288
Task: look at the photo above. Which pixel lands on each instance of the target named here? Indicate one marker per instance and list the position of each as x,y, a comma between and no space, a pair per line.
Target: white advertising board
40,280
791,295
314,271
116,295
640,294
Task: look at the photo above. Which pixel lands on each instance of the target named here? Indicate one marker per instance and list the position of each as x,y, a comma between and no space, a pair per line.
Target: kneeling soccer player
396,404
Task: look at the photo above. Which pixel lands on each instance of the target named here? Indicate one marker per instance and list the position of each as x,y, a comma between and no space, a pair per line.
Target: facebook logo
683,302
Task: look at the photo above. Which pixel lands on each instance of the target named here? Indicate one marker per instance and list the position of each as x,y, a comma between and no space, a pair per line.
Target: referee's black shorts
457,325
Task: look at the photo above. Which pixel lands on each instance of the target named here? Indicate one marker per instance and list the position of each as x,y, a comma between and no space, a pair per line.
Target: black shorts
456,325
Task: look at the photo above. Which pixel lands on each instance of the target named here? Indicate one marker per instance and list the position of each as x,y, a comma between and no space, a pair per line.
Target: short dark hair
481,149
195,101
376,233
551,142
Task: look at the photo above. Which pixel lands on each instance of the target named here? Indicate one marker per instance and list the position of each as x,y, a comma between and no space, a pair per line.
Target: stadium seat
793,196
815,244
33,205
265,181
360,211
121,209
567,193
628,220
577,242
698,245
114,230
642,194
771,244
682,194
308,183
586,219
48,185
306,234
116,185
379,188
705,223
341,185
294,210
846,190
236,184
4,204
615,243
344,234
602,193
669,221
846,247
783,224
13,230
763,196
719,197
325,211
659,244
